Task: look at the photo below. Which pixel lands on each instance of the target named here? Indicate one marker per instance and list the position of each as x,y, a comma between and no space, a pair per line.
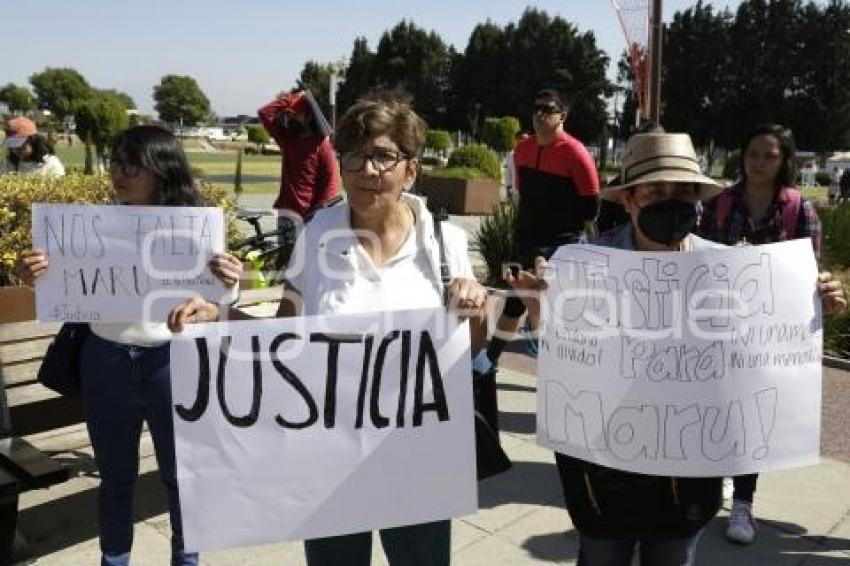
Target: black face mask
668,221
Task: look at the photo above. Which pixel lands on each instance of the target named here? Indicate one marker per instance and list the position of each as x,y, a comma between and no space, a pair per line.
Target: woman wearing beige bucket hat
615,511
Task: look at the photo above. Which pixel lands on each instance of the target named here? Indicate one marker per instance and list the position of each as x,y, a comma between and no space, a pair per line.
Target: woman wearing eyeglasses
384,256
125,369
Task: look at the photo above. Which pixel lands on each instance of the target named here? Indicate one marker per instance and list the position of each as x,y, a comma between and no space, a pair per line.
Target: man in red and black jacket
558,195
309,175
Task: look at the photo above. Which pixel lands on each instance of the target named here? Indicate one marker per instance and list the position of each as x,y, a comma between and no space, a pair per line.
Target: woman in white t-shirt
125,369
377,253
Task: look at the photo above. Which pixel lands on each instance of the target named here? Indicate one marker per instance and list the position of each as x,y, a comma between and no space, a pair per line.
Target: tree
500,133
17,98
418,62
695,77
316,77
121,97
259,136
439,141
359,75
478,66
60,90
179,99
99,120
503,68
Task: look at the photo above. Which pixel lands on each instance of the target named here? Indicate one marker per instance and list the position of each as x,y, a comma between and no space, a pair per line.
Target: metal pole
655,62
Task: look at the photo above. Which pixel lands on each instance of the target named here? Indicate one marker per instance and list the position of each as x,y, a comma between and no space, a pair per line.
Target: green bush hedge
458,173
500,133
494,240
479,157
438,140
17,193
822,179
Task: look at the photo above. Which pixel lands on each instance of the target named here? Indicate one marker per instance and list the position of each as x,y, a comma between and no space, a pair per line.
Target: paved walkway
804,514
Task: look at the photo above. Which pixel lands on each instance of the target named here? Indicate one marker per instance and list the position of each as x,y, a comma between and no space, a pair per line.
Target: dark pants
745,487
123,386
426,544
652,551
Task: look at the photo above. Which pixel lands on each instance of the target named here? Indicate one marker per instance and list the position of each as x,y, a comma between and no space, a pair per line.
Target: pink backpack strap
791,212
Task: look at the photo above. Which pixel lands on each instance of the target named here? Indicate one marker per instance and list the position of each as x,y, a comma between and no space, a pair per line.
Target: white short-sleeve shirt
334,274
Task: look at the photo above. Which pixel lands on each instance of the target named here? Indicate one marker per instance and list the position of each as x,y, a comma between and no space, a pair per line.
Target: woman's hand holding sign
32,264
529,286
831,293
192,311
227,268
466,298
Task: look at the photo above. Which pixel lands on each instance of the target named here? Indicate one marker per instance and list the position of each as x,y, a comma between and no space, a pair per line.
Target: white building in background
839,160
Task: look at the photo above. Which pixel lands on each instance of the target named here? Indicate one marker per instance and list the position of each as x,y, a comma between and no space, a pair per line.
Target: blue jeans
652,551
122,386
425,544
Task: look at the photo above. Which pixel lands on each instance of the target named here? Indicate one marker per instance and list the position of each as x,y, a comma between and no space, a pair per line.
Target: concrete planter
460,196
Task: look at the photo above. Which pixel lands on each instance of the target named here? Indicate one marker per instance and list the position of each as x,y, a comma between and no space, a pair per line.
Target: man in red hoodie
309,175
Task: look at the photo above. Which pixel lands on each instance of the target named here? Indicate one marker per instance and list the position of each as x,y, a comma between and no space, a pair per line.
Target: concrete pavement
804,514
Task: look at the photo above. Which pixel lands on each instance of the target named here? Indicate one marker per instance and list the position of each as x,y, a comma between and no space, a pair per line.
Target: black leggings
745,487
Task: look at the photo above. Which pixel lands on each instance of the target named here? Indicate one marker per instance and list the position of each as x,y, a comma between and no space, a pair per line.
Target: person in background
616,512
764,206
309,174
125,368
558,190
844,185
28,151
510,169
834,190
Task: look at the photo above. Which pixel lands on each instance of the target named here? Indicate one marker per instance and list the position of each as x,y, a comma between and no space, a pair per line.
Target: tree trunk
89,166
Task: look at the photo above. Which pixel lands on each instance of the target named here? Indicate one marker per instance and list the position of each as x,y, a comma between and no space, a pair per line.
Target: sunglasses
547,109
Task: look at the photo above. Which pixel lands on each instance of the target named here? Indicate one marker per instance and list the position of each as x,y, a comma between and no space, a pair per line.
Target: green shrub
732,165
500,133
438,140
458,173
494,240
835,230
17,193
822,179
478,157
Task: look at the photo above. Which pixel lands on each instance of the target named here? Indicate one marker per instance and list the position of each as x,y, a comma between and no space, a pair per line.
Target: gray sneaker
742,526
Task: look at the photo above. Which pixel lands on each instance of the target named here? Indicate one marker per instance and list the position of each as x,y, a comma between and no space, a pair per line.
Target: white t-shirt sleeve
457,252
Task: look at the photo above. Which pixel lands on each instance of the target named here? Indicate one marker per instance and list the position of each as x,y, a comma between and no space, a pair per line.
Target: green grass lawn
260,173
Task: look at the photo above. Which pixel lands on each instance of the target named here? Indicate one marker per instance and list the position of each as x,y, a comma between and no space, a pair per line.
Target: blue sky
243,52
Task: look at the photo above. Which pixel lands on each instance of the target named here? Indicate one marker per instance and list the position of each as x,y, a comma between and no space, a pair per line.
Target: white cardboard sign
316,426
705,363
117,263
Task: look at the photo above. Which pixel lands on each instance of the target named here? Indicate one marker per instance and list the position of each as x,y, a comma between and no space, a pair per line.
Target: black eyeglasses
382,160
547,109
126,169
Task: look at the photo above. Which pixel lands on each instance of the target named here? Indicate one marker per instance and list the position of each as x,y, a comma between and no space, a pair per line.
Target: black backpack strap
445,274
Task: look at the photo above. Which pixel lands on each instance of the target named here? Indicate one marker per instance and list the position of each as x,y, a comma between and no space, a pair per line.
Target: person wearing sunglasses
558,190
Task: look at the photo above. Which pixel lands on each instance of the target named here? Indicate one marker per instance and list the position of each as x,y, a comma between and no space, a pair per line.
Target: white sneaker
728,488
742,526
